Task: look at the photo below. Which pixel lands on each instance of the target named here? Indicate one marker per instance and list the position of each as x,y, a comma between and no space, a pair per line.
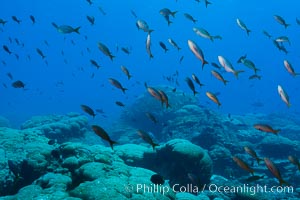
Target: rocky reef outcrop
61,128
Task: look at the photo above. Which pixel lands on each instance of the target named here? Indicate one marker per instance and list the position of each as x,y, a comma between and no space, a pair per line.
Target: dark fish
32,19
173,43
151,117
125,50
18,84
93,62
163,46
190,17
196,79
7,49
191,85
105,50
242,58
126,72
14,18
55,25
157,179
207,3
119,103
117,84
165,12
17,41
181,59
91,19
46,43
17,56
297,21
3,22
51,141
101,10
88,110
254,178
89,2
66,29
147,138
40,53
281,21
271,166
133,13
10,76
255,76
267,34
102,133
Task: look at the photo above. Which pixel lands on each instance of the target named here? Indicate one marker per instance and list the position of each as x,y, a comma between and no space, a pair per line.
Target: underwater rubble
51,156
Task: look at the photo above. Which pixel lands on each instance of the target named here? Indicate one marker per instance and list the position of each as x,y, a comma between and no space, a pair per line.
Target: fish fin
76,30
276,131
204,63
150,31
255,70
154,145
111,143
248,31
236,73
201,85
283,182
174,13
166,50
225,82
286,25
195,92
111,57
169,22
211,38
129,76
178,48
207,3
194,21
258,160
124,89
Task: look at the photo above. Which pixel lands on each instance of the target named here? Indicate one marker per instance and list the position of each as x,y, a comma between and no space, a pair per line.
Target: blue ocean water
65,83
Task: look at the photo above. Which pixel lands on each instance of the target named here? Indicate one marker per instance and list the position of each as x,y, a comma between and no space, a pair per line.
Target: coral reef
62,128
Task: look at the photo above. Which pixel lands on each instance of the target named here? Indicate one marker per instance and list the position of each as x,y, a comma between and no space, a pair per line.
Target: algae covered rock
177,158
135,155
59,127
